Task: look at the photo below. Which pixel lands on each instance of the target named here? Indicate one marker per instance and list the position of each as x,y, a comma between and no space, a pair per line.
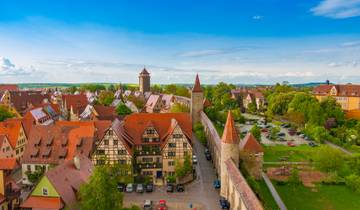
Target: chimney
327,82
77,162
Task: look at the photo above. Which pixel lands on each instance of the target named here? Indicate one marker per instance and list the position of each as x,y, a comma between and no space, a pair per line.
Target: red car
162,205
290,144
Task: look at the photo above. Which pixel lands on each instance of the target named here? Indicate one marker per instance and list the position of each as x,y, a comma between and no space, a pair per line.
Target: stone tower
197,98
144,81
229,149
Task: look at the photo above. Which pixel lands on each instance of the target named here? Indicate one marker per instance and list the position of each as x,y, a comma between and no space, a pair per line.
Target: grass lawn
294,154
266,198
328,197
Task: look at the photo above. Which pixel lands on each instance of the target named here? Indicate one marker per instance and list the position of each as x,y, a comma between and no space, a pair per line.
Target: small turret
197,98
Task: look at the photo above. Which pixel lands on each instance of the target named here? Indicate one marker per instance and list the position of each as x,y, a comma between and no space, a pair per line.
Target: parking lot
200,194
295,139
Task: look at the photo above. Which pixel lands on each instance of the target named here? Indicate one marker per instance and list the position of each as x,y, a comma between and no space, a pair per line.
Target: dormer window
45,191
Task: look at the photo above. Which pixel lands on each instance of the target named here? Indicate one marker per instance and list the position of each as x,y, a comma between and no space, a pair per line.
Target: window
185,145
17,151
100,162
111,132
171,173
115,142
177,136
28,167
147,160
171,154
147,173
121,152
45,191
146,139
106,142
171,163
122,162
101,152
185,153
172,145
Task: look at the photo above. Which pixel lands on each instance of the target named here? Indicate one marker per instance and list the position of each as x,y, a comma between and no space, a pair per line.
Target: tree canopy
5,113
122,110
106,98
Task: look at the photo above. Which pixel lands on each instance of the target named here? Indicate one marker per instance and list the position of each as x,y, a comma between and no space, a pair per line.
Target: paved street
200,192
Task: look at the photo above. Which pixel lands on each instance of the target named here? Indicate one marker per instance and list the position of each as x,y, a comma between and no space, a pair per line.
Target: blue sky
233,41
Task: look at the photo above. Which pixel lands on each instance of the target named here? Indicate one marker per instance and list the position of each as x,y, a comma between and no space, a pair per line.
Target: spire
197,86
144,72
230,135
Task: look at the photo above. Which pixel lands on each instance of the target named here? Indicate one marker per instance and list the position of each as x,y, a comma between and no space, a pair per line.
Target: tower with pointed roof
229,150
144,81
197,98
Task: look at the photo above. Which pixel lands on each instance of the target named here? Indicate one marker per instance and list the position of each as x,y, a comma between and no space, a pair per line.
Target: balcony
149,165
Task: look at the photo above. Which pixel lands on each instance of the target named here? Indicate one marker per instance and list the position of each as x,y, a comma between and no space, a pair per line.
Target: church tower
144,81
197,98
229,150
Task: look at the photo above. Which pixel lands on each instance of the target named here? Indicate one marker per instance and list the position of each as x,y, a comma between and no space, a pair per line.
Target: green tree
5,113
256,132
111,88
156,89
122,110
329,159
294,178
274,132
139,103
92,87
106,98
101,191
353,182
332,109
183,168
278,103
252,107
178,107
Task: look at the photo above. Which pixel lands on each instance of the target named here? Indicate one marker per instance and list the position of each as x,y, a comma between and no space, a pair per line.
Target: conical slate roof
144,72
230,135
197,86
250,144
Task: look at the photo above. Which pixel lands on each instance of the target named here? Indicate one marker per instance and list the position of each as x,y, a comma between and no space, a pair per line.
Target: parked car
282,139
307,138
312,144
208,156
162,205
180,188
206,151
302,135
194,159
292,132
264,130
121,187
268,126
129,188
224,204
169,188
217,184
291,144
148,205
281,134
139,188
149,187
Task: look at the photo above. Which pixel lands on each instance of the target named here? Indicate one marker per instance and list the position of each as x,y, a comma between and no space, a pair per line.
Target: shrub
353,182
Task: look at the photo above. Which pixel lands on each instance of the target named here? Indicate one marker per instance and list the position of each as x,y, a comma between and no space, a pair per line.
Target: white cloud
7,68
257,17
337,9
351,44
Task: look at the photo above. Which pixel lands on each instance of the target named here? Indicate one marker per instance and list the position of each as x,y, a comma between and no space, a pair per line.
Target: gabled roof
197,86
67,179
151,102
77,102
250,144
11,128
206,103
8,163
21,100
342,90
118,128
52,144
135,124
230,135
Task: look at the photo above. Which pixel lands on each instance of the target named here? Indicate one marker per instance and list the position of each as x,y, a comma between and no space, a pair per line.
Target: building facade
144,81
197,98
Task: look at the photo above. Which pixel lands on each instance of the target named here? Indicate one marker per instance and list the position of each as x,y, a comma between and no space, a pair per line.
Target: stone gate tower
229,150
144,81
197,98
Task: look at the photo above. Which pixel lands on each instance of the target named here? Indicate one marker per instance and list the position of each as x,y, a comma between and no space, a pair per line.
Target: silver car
148,205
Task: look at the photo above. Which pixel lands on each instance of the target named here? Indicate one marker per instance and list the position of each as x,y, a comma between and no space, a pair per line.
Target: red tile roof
67,179
11,128
8,163
9,87
342,90
197,86
44,203
77,102
230,135
105,112
52,144
242,187
22,100
250,144
135,125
